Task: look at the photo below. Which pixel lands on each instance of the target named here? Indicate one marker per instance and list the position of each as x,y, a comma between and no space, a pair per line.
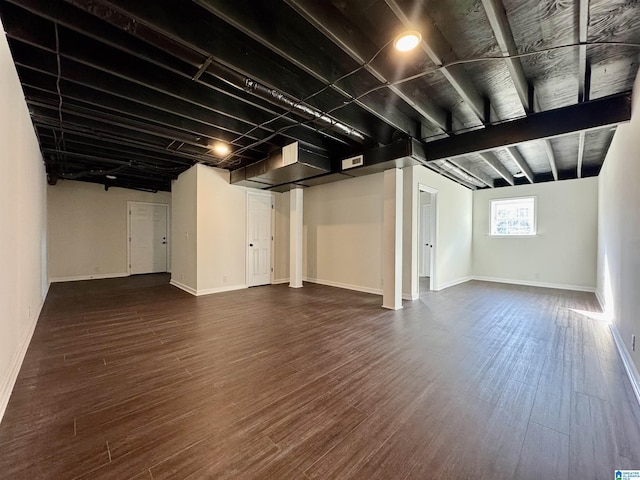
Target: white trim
410,297
209,291
453,283
600,299
435,235
6,387
347,286
527,283
627,361
96,276
183,287
280,280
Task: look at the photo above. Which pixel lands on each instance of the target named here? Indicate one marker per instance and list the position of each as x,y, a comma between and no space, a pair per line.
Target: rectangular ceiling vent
352,162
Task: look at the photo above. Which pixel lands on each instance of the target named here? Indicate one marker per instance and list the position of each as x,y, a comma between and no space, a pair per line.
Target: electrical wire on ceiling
399,82
61,146
302,101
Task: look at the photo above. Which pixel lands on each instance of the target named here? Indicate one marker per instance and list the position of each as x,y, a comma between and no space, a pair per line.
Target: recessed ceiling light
111,177
221,149
407,40
518,174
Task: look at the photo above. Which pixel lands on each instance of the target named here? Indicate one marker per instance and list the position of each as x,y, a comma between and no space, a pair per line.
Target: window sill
512,236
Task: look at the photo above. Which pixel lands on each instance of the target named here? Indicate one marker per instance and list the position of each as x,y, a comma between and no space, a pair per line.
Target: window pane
513,216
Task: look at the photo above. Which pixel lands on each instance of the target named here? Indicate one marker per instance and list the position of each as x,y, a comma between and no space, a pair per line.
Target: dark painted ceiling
142,90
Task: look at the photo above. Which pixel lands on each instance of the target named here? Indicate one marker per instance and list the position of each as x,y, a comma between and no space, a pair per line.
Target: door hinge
271,269
272,206
272,238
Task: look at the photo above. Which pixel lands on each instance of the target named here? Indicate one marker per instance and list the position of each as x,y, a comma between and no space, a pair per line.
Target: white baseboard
410,296
527,283
209,291
96,276
206,291
183,287
6,387
453,283
279,281
357,288
627,361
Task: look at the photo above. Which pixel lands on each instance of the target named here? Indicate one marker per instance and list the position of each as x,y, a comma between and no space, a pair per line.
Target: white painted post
392,240
295,238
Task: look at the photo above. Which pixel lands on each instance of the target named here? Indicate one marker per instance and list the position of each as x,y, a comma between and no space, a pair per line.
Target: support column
392,240
295,237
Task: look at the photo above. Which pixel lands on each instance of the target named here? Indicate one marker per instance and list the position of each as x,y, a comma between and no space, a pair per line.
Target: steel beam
590,115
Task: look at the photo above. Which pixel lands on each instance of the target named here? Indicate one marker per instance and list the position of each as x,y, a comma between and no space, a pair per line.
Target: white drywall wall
562,254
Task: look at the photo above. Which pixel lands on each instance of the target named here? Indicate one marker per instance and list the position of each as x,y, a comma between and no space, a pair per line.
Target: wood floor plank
134,379
548,444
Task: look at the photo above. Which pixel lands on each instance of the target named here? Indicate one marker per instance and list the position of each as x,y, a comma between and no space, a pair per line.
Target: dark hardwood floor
132,378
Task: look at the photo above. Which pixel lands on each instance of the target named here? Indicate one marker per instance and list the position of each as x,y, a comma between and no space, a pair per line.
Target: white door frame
129,204
434,236
260,193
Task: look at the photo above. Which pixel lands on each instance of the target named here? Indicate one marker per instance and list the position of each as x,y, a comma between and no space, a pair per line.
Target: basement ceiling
131,93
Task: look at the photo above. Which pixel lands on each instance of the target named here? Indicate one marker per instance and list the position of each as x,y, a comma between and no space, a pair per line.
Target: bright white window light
513,216
221,149
407,41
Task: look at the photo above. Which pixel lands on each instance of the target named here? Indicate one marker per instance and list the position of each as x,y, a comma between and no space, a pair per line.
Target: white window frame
494,203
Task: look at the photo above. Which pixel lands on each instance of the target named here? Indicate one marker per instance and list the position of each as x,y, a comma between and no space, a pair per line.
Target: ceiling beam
502,31
241,15
236,59
594,114
435,45
548,148
360,49
498,167
581,140
88,39
521,163
584,73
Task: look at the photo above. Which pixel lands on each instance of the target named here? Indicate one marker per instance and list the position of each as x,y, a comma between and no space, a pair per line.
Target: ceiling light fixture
111,177
221,149
518,174
407,40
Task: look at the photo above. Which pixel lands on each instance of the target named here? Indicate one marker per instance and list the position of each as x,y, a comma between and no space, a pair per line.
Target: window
513,216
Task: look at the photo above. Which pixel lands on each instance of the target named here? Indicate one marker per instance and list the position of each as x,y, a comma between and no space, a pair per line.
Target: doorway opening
426,213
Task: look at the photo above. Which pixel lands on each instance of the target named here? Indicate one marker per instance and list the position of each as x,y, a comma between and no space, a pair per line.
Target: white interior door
147,238
258,239
425,241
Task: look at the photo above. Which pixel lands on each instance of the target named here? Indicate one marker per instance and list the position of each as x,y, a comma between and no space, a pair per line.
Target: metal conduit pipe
288,102
281,99
447,166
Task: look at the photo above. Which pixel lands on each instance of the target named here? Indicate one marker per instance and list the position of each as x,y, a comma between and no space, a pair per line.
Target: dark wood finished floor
132,378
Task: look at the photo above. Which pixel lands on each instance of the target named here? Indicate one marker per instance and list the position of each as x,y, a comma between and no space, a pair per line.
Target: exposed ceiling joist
590,115
440,52
502,31
521,163
551,156
584,73
362,51
581,141
498,167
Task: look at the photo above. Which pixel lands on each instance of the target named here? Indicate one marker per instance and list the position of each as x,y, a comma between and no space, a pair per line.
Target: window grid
513,216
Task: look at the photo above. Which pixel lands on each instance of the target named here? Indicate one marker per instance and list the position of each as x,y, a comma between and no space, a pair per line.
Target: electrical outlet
224,279
633,343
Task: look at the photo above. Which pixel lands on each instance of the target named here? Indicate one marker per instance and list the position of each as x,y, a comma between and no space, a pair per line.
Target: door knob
251,244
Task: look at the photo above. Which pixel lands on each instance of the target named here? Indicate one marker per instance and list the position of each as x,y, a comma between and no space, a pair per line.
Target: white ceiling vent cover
352,162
